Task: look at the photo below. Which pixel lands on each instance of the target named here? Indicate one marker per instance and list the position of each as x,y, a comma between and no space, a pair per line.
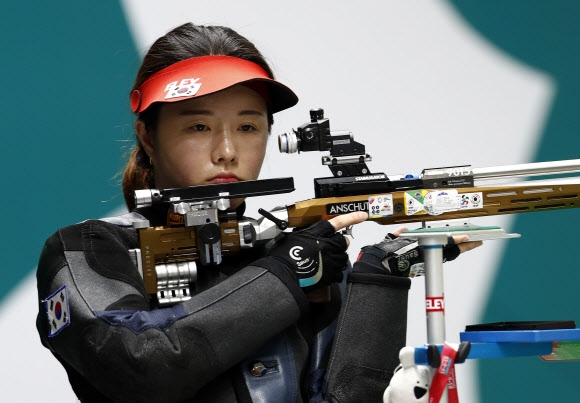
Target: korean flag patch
57,311
185,88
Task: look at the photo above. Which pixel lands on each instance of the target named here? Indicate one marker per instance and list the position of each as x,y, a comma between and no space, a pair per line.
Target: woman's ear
145,138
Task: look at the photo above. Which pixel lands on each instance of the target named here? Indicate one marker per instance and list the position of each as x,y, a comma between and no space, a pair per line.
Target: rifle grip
319,295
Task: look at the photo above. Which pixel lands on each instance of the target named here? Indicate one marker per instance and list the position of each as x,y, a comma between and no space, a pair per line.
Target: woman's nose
224,150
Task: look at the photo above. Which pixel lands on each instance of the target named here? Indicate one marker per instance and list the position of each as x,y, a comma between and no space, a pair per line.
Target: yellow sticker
414,202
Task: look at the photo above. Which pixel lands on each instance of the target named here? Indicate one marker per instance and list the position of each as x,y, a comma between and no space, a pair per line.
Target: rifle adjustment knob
316,114
209,233
281,224
248,233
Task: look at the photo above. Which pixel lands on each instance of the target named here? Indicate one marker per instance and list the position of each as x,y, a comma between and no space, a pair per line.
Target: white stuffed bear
410,382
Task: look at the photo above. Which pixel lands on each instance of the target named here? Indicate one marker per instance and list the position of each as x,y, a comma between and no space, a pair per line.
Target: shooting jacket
248,334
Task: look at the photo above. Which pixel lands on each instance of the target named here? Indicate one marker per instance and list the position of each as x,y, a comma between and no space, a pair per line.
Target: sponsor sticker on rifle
175,219
380,206
437,201
347,207
471,200
414,202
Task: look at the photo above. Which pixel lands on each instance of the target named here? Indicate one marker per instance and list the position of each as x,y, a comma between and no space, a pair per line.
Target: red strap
445,377
452,387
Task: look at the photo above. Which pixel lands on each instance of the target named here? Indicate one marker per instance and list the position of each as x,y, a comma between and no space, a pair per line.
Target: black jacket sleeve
128,352
372,329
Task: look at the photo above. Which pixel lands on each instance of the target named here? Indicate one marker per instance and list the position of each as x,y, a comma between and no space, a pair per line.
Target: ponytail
138,175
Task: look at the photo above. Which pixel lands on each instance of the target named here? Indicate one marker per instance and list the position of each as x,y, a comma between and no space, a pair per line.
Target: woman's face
217,138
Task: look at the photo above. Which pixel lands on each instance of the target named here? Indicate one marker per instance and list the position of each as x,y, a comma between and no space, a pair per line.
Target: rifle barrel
531,169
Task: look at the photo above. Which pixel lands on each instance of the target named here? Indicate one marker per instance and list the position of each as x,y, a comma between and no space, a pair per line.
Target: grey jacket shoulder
131,352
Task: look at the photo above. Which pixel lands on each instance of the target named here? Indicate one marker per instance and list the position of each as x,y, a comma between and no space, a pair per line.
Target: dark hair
183,42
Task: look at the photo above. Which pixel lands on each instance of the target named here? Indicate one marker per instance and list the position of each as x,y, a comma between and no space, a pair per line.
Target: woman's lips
224,178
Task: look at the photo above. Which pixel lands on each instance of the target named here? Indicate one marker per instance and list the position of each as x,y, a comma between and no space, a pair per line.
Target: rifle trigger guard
347,231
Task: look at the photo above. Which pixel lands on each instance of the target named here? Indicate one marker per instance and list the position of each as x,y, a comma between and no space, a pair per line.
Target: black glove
317,254
399,256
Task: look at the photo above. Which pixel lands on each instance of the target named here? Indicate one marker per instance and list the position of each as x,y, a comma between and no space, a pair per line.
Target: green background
538,279
66,71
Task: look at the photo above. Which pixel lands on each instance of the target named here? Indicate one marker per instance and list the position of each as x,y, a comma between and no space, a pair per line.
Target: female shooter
204,98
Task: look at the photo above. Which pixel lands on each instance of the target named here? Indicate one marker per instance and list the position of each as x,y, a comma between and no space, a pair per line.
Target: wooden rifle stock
496,200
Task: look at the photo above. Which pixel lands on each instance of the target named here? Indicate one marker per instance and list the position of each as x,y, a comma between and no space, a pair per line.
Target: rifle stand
433,240
550,341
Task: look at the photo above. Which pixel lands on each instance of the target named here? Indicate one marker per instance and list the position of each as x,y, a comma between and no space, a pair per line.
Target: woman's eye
199,127
247,128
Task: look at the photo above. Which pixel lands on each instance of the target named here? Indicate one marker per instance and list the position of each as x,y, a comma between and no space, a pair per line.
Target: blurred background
421,84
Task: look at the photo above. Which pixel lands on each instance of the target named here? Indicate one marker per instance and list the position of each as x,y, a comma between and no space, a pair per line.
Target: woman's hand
317,254
402,256
462,241
348,220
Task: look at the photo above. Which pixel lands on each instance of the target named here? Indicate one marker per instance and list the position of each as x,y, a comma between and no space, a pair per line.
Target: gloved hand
317,254
399,256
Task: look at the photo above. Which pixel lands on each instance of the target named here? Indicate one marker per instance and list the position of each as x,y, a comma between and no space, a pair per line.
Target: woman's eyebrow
188,112
251,112
207,112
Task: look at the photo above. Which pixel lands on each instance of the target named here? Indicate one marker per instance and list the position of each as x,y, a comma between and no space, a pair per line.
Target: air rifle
168,255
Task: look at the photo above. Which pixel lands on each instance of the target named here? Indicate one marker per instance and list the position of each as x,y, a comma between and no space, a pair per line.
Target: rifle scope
311,136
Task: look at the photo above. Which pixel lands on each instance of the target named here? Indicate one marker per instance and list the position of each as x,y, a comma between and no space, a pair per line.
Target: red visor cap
205,75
